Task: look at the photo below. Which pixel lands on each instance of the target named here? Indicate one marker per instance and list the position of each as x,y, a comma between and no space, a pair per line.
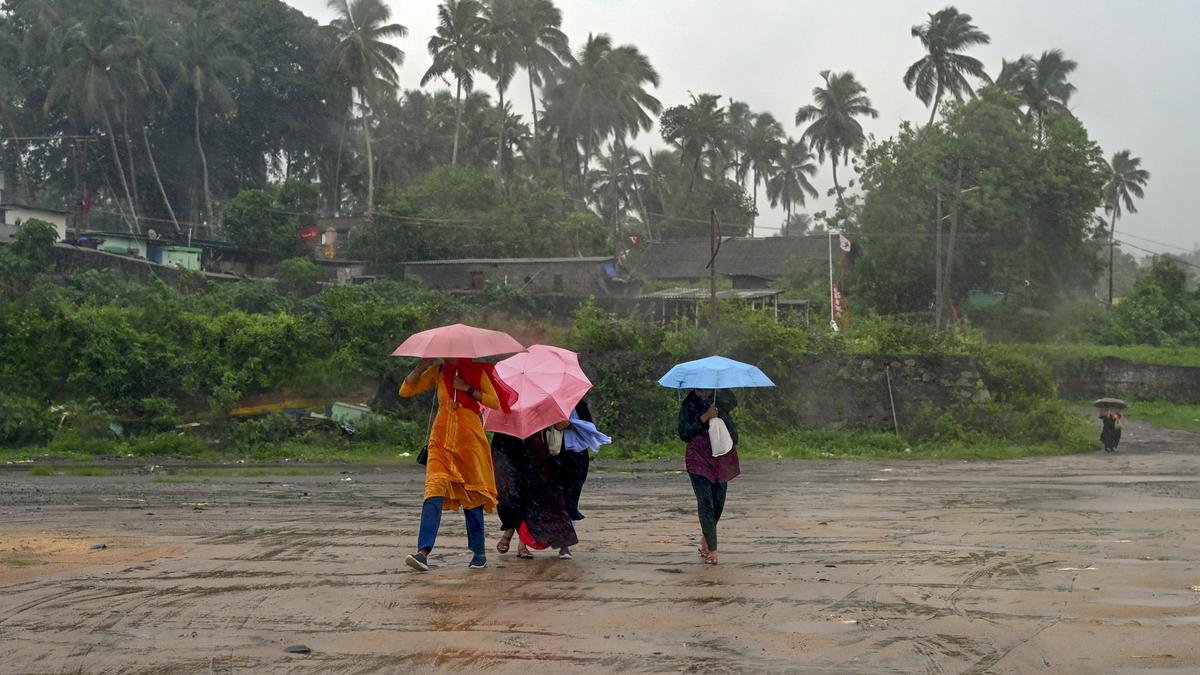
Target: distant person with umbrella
708,428
458,471
1110,422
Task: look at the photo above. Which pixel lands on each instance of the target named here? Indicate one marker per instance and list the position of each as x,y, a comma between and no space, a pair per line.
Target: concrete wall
852,391
570,277
1124,379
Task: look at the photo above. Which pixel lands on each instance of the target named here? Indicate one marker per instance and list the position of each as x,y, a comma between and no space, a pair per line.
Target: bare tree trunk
337,171
129,150
837,188
370,155
500,136
937,98
754,218
458,106
157,179
208,205
132,222
537,141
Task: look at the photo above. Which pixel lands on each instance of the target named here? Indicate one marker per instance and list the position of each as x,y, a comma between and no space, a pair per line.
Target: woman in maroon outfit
710,475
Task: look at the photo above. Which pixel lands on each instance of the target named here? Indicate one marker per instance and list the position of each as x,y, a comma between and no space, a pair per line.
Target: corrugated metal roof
511,261
702,294
761,257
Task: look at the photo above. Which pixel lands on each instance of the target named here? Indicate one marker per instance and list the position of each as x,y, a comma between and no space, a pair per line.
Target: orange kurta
460,458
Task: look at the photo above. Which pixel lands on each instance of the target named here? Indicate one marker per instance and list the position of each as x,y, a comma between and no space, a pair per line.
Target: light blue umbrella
715,372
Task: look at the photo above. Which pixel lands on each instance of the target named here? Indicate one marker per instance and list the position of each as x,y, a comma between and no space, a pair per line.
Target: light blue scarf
583,435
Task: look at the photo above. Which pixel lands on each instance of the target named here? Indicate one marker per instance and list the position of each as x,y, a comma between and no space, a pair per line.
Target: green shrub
25,421
1010,374
167,445
404,435
273,428
297,276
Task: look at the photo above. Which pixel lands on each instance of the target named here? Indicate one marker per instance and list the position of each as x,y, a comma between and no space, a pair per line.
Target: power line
1146,250
1160,243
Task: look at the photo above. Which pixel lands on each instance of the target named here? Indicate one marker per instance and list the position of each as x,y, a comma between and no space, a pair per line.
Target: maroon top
700,461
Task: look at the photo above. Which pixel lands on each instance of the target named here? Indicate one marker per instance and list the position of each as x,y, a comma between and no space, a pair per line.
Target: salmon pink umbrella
458,341
550,384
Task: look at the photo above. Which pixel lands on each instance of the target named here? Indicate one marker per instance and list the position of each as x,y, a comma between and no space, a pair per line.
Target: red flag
87,202
310,234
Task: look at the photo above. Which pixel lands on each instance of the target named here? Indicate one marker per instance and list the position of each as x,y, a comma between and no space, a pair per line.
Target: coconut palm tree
763,152
86,62
544,49
833,130
365,61
788,183
455,49
1039,84
503,51
700,132
739,119
1126,178
944,67
211,69
603,92
145,37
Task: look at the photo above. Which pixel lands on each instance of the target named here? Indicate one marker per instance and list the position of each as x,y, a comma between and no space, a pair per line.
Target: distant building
566,276
13,215
161,251
750,262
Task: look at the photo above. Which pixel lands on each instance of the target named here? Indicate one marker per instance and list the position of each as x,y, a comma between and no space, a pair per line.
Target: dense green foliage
1024,217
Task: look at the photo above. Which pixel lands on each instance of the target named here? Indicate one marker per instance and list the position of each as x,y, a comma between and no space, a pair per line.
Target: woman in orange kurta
459,471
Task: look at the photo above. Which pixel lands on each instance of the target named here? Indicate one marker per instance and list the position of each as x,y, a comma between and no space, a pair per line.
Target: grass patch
17,562
90,471
186,474
805,444
41,471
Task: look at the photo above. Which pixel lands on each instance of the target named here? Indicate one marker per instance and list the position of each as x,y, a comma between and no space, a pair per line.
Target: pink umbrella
550,383
458,341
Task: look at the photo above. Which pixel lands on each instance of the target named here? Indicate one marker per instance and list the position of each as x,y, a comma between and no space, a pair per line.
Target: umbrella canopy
458,341
550,384
1109,403
715,372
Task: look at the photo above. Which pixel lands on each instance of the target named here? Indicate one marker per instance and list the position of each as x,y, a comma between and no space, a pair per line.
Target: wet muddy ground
1082,564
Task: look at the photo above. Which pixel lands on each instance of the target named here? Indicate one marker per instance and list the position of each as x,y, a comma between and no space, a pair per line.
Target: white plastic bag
554,441
718,436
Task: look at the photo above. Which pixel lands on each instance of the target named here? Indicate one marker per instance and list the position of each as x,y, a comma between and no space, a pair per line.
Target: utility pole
949,267
937,264
713,246
1112,240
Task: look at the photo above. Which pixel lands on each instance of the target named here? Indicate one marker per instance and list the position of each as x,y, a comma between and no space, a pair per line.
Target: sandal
523,552
503,542
711,558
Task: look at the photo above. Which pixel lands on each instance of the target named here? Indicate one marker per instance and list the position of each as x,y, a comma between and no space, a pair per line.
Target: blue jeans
431,520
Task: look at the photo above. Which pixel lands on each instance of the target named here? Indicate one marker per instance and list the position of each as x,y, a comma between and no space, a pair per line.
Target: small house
752,263
12,215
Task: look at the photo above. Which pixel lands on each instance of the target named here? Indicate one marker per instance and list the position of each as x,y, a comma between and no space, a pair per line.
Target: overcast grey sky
1139,67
